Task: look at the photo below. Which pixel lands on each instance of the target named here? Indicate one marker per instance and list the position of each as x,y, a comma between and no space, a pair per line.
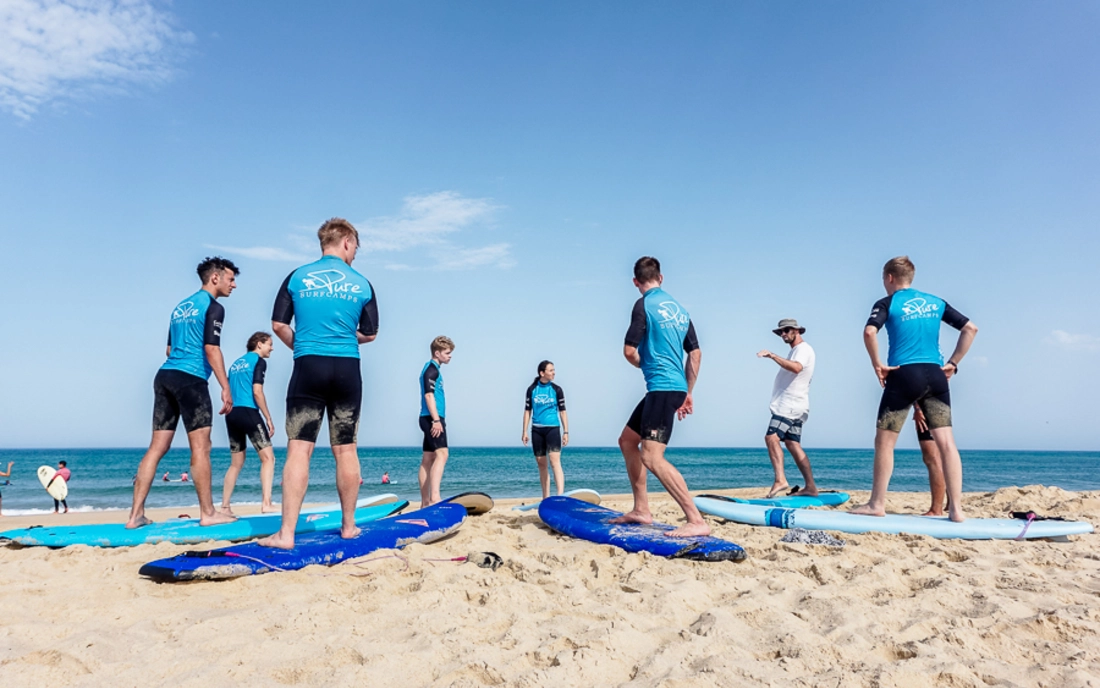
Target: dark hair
647,269
256,339
213,264
62,464
542,367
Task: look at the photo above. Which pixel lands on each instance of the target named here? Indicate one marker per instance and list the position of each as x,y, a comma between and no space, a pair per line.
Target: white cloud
1074,342
56,49
496,255
265,253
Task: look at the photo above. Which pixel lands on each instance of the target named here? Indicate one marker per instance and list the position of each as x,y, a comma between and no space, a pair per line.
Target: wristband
436,420
955,365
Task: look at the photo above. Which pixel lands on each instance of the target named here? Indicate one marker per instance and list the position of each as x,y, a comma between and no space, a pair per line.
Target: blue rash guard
328,301
248,370
196,322
544,402
912,319
662,331
431,382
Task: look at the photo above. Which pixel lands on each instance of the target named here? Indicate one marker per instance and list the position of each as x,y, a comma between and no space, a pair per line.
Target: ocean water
102,478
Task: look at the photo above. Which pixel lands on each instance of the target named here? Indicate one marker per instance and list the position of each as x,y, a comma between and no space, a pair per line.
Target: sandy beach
881,611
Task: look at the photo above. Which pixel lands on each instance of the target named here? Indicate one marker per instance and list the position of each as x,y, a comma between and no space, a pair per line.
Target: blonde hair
901,268
336,230
442,343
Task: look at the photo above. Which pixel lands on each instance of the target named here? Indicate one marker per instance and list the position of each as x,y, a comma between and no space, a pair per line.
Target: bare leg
424,476
200,476
436,474
146,472
803,463
931,456
267,478
347,486
236,463
544,476
295,483
775,453
653,458
884,468
559,476
630,446
952,472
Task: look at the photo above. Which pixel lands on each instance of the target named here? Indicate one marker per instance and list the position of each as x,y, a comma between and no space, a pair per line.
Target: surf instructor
660,333
334,309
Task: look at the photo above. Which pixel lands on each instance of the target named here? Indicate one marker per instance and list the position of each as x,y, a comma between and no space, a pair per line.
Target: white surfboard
58,489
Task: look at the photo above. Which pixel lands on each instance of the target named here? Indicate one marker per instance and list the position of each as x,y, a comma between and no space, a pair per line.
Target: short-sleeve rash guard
431,382
662,331
544,402
912,319
246,371
196,322
329,302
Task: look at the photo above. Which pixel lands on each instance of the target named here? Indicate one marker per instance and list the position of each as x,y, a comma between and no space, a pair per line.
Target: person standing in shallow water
660,333
334,310
180,389
544,412
915,373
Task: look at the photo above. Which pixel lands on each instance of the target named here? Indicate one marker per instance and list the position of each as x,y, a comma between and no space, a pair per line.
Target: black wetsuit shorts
923,384
321,384
654,415
545,438
175,394
246,423
433,443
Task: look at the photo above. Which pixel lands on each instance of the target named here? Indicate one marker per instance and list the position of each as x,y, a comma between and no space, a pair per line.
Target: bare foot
216,519
349,534
66,510
957,515
278,541
804,492
690,530
270,509
867,510
933,512
227,510
137,522
776,489
633,517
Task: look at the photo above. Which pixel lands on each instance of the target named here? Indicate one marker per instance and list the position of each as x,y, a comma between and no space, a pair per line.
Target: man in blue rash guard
660,333
915,373
180,388
334,309
244,423
544,411
433,421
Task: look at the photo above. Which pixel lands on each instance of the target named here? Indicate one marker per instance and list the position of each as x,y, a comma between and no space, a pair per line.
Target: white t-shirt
791,392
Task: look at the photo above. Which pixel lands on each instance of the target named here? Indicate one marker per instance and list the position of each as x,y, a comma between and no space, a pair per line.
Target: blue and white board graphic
326,549
187,531
583,494
791,501
933,526
581,520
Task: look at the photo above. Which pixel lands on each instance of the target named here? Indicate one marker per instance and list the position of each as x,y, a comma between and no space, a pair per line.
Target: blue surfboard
933,526
423,525
579,519
583,494
791,501
187,531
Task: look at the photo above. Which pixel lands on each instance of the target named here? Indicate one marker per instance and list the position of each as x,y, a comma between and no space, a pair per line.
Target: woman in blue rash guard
544,412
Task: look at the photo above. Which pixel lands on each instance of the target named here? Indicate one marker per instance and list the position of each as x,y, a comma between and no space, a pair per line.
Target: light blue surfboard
185,531
933,526
790,502
246,559
583,494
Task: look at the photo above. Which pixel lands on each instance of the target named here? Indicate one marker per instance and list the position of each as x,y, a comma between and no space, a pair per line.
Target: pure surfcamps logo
672,315
919,308
329,283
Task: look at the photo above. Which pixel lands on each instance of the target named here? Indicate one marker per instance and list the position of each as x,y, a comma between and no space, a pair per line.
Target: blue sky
507,163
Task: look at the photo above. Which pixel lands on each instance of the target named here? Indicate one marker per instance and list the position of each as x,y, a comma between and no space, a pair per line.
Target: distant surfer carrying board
244,423
334,310
180,388
63,473
544,412
433,421
660,333
790,406
915,373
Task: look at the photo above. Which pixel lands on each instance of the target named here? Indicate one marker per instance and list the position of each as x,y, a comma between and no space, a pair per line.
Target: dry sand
882,611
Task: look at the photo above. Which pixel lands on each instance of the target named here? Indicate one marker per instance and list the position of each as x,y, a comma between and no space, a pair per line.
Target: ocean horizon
102,477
